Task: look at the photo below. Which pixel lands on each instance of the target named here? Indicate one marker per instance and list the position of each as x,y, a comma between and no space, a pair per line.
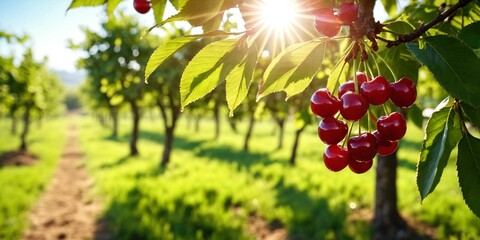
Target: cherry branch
422,29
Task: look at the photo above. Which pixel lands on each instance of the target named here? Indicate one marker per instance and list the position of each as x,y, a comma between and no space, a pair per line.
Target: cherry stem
387,65
348,135
355,80
422,29
342,60
385,110
368,121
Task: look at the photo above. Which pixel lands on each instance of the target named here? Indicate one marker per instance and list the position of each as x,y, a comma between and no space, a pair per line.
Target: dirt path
67,209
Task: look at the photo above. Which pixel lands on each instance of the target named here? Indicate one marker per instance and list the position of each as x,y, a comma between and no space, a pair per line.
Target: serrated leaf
441,137
468,168
209,68
85,3
178,4
471,113
293,69
158,7
239,80
197,12
454,65
162,53
470,35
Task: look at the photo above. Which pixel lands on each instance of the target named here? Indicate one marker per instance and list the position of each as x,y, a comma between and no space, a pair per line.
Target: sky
50,27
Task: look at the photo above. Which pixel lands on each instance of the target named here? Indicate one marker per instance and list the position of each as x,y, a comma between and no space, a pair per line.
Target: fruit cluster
142,6
329,21
353,102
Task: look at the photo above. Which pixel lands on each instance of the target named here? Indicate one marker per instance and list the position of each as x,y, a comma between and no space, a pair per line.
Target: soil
67,209
17,158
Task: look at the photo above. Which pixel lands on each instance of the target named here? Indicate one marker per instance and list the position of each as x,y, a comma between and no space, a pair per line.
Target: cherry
324,104
326,22
141,6
362,148
359,167
335,158
403,93
384,146
347,12
376,91
350,85
392,127
331,130
353,107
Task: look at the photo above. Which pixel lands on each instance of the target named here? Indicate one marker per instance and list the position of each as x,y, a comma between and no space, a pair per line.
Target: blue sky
47,22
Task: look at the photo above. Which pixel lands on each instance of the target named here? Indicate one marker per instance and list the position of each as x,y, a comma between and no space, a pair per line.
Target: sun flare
279,14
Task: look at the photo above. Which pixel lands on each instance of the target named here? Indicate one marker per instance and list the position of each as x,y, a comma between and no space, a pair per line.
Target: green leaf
210,67
111,5
400,61
239,80
197,12
86,3
416,116
473,114
178,4
470,35
337,76
158,7
468,167
441,136
454,65
162,53
390,6
293,70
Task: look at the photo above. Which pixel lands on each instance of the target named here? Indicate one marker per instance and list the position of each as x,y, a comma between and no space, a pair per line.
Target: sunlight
279,14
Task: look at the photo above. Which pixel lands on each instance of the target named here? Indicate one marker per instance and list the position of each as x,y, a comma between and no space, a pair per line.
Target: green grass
211,187
20,186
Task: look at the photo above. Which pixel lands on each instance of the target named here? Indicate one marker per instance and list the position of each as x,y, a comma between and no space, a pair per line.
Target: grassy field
20,186
214,190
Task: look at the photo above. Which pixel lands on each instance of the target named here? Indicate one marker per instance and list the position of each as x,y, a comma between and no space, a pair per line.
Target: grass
212,188
22,185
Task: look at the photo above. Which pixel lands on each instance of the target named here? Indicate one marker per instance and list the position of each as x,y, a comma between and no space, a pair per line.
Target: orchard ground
215,190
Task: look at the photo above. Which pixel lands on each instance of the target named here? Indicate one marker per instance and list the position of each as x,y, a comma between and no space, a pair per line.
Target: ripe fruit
324,104
376,91
353,107
347,13
403,93
335,158
326,22
362,148
392,127
384,146
141,6
350,85
331,130
359,167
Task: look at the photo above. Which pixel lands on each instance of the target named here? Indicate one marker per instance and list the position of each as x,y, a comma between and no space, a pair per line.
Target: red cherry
362,148
392,127
335,158
331,130
350,85
326,22
376,91
141,6
353,107
347,12
359,167
324,104
384,146
403,93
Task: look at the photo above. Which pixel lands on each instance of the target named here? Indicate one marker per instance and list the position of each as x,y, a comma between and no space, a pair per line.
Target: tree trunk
26,126
167,148
387,222
216,116
233,125
281,127
114,116
136,122
251,123
13,130
293,156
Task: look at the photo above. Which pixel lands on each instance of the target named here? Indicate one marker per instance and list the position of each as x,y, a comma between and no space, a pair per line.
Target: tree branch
422,29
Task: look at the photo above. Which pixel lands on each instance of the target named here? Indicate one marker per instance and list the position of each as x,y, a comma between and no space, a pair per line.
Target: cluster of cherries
142,6
329,21
353,103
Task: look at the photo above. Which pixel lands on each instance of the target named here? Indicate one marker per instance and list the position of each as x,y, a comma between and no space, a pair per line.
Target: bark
167,148
293,156
26,126
233,125
251,123
169,122
136,122
387,222
114,116
14,127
